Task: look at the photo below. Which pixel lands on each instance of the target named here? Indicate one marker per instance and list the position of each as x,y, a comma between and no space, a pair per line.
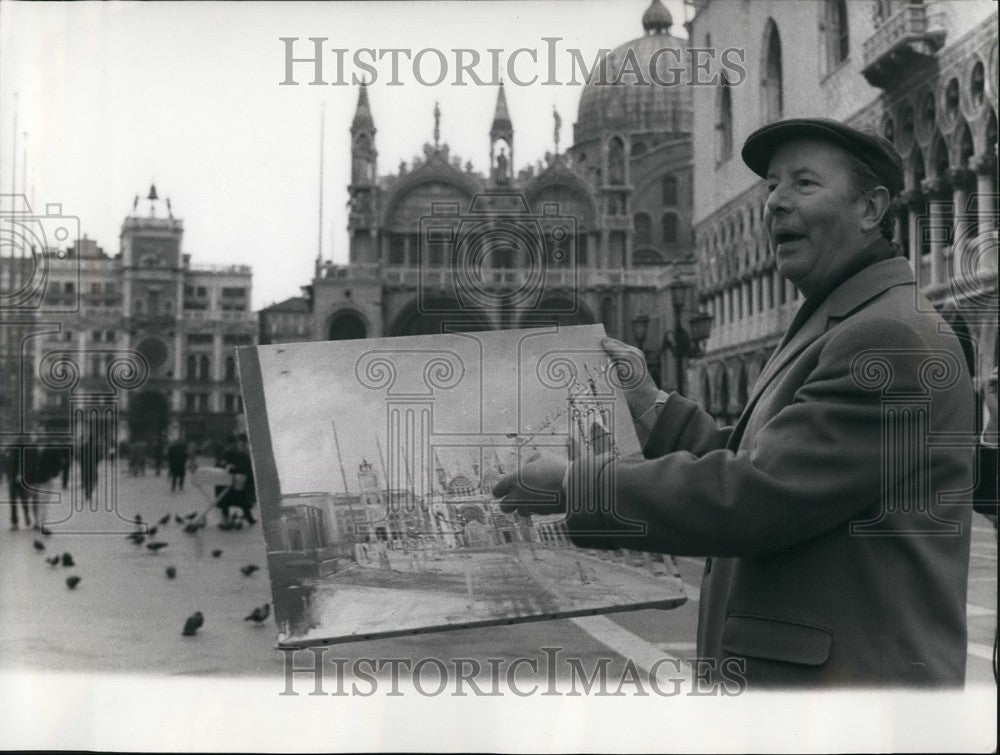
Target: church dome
642,89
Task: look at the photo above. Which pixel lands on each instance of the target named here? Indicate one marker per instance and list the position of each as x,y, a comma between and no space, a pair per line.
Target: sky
480,387
115,96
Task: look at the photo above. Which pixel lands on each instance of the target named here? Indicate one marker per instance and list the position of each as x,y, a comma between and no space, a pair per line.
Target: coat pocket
776,640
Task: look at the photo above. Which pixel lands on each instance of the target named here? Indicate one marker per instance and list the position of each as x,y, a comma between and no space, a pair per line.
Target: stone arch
346,325
437,316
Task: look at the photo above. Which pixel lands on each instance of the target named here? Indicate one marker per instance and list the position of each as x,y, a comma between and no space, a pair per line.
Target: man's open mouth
785,237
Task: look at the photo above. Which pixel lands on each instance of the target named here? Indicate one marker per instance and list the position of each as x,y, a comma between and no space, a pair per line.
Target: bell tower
363,190
501,141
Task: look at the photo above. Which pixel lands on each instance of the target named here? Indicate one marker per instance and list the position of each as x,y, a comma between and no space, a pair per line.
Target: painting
374,462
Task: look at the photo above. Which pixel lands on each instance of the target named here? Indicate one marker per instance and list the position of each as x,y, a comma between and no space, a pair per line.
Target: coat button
708,565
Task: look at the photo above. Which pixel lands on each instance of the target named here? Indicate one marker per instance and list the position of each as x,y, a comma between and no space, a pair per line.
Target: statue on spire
437,124
558,126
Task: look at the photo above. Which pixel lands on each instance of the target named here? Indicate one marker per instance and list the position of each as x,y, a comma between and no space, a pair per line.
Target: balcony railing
904,40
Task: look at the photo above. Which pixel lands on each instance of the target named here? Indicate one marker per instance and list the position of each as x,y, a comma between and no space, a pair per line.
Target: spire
152,193
502,127
657,19
362,114
437,125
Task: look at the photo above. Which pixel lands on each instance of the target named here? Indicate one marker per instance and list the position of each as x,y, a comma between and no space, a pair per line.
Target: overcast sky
115,95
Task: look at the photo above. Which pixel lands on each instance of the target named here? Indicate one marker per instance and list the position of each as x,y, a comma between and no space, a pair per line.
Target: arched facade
593,233
941,117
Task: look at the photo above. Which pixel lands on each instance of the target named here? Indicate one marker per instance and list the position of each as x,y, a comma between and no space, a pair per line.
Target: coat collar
853,293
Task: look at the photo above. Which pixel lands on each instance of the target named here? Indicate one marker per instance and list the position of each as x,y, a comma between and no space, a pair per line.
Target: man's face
812,214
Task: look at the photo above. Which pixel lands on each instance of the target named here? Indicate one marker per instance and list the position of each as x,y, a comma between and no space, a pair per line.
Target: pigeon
192,527
72,582
39,545
171,572
156,546
191,516
45,530
164,519
216,553
54,561
151,531
249,569
260,614
67,560
193,624
136,537
138,520
179,519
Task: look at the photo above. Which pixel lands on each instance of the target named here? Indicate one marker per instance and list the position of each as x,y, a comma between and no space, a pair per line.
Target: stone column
913,201
985,166
961,181
935,189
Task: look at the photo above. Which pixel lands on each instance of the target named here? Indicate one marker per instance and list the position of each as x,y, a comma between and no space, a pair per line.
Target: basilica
594,233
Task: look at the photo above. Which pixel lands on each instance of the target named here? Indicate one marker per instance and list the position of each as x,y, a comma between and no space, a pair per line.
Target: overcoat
836,512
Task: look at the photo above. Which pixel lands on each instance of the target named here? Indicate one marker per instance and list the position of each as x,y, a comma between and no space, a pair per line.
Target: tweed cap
877,153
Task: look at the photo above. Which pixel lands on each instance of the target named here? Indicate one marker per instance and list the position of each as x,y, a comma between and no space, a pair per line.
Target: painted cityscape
375,460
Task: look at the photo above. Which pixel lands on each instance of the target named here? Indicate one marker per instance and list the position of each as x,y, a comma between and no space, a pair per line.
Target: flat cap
874,151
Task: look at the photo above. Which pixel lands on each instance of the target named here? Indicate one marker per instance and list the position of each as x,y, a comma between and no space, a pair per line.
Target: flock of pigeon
146,535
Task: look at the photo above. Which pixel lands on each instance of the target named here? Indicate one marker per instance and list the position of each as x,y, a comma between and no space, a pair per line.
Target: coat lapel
851,294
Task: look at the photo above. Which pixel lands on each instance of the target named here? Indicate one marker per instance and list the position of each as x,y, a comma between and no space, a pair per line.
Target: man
240,493
19,462
792,593
177,458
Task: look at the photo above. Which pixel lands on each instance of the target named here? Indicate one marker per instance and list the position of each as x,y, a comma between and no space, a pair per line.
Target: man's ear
875,207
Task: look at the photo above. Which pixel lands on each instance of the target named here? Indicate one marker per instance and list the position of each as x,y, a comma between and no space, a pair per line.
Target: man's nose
778,201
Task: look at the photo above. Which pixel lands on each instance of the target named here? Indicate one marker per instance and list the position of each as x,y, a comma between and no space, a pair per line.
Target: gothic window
192,373
616,161
669,189
724,121
203,366
837,35
669,228
977,83
643,230
772,86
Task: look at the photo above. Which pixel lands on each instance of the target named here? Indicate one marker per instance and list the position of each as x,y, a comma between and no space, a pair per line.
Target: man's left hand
535,488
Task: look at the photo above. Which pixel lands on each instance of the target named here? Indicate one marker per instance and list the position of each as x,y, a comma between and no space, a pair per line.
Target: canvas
374,460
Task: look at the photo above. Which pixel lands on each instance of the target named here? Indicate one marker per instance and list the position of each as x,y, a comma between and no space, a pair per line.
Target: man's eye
805,182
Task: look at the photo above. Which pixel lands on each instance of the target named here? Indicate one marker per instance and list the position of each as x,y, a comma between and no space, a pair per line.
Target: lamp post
685,344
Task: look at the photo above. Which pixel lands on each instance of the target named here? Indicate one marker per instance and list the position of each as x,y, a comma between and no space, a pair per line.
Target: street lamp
685,344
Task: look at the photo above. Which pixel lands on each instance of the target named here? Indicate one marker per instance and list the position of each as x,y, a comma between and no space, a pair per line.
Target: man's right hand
640,392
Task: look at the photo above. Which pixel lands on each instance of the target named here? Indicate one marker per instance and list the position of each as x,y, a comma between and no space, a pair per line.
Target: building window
191,368
189,401
669,228
772,88
203,367
669,189
202,402
724,120
68,288
643,230
230,403
230,368
616,161
837,34
110,336
96,336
